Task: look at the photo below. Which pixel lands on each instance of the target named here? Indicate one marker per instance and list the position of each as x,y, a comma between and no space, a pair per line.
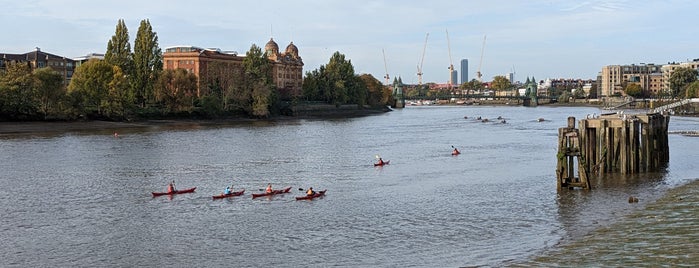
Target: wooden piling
611,143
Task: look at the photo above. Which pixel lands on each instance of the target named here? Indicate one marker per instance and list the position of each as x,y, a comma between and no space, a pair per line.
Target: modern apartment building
615,77
669,68
287,66
39,59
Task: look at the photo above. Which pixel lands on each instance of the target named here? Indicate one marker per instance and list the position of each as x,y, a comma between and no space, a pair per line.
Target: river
83,198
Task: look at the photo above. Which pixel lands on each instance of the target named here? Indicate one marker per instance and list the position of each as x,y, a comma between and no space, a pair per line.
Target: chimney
38,49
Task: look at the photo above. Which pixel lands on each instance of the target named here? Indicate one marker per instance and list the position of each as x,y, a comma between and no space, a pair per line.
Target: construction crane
451,63
479,74
385,66
422,60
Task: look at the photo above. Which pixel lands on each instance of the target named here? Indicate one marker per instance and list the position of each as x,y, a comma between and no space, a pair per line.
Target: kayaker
171,187
310,192
269,188
380,161
456,151
227,191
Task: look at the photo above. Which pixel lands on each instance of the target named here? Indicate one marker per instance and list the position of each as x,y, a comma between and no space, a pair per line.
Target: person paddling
381,161
227,191
456,151
269,188
310,192
171,187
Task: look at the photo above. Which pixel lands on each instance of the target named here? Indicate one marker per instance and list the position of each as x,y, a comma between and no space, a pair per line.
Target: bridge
674,105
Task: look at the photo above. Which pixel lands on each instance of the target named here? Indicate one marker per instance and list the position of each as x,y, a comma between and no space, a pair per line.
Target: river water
83,199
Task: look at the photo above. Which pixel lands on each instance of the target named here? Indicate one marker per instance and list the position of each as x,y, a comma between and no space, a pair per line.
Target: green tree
501,83
680,79
176,89
633,90
119,100
472,86
693,90
90,86
49,90
147,63
17,92
119,49
257,90
375,90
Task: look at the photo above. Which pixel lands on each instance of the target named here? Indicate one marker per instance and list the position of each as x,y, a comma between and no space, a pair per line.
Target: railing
674,105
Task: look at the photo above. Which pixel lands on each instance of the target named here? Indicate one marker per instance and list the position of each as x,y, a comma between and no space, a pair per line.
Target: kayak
190,190
382,164
229,195
309,197
285,190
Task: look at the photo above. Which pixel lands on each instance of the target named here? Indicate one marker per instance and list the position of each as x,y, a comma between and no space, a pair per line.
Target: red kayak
190,190
309,197
286,190
382,164
229,195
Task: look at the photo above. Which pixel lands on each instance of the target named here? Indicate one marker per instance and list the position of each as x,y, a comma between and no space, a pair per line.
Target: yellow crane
422,60
479,74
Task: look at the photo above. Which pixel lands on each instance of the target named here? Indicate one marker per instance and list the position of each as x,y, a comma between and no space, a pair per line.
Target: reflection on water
83,198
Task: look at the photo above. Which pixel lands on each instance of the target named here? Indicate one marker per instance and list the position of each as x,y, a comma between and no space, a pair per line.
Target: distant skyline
544,39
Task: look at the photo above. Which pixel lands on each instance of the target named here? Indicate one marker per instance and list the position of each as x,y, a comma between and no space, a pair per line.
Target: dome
292,49
271,47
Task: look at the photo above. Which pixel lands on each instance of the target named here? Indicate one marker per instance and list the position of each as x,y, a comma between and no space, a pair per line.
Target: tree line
132,85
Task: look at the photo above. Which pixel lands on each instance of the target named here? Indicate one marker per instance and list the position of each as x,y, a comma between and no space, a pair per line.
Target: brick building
39,59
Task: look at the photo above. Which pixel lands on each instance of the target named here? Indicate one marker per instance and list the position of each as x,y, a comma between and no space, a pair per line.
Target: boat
190,190
228,195
309,197
274,192
382,164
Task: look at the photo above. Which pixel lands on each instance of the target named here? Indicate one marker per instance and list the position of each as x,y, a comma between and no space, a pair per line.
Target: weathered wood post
569,141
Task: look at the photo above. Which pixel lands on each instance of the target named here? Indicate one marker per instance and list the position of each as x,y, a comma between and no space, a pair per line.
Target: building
670,68
39,59
80,60
464,71
214,64
615,77
454,78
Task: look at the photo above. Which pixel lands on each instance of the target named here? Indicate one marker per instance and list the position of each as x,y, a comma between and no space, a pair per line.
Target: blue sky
545,39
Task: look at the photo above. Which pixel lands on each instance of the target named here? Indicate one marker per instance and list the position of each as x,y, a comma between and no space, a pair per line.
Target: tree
147,63
176,89
472,86
680,79
501,83
693,90
376,91
49,90
17,96
90,86
119,50
633,90
257,85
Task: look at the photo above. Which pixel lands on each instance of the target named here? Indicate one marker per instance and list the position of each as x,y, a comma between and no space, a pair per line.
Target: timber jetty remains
611,143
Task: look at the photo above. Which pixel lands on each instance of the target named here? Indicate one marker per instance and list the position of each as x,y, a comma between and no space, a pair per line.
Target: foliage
633,90
564,97
175,90
680,79
119,49
49,90
377,93
472,86
257,84
147,63
336,83
501,83
90,87
17,93
693,90
222,80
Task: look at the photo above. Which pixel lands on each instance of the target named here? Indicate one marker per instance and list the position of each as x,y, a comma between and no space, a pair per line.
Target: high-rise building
464,71
454,78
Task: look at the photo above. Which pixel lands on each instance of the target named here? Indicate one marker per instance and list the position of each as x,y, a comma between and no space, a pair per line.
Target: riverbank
663,234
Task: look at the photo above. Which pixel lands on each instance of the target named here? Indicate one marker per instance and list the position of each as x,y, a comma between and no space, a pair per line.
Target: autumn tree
147,63
501,83
633,90
377,93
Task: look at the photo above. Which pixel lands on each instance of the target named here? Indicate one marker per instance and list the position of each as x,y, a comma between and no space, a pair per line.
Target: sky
533,38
